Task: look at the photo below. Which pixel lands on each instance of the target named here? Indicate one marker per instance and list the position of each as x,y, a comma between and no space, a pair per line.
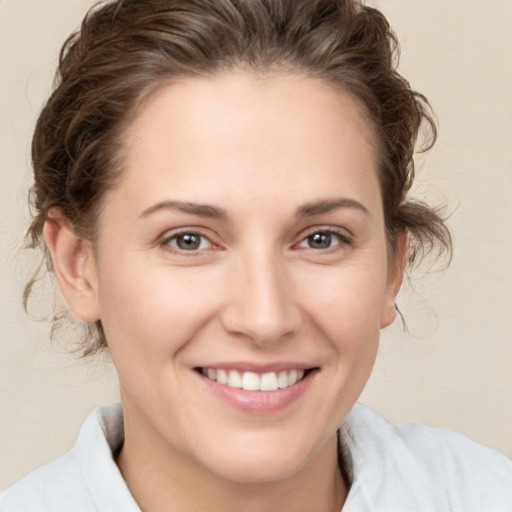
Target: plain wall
454,367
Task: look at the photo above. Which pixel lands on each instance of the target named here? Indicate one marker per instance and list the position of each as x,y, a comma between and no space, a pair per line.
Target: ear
395,276
74,265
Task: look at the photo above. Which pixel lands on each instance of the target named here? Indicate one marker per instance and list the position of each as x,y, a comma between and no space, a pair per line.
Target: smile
251,381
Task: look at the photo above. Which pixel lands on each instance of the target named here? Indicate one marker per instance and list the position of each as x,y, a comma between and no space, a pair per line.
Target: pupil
320,241
188,242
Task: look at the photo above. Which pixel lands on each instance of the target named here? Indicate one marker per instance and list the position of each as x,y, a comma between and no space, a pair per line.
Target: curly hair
127,49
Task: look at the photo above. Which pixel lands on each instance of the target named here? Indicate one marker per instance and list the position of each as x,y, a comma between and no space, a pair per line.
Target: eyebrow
328,205
214,212
202,210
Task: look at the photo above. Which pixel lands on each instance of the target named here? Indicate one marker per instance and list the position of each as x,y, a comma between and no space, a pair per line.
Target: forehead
245,132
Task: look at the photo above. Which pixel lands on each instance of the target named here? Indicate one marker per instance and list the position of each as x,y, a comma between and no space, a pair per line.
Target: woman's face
244,246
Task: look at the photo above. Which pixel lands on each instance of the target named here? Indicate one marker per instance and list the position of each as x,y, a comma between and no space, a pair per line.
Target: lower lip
259,401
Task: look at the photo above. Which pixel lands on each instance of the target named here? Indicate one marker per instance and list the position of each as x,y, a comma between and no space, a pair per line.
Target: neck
162,478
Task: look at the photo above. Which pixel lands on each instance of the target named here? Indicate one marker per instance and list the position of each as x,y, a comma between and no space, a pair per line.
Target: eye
188,242
324,240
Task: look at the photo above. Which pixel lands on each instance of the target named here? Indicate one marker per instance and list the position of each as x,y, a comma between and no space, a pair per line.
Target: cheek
151,310
347,303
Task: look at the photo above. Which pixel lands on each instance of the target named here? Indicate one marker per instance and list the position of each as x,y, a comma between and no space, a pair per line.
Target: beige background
454,368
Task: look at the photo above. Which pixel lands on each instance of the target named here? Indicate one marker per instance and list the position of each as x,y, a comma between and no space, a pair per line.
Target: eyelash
167,242
343,240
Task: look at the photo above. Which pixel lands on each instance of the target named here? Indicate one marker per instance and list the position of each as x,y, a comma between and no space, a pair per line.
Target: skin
277,159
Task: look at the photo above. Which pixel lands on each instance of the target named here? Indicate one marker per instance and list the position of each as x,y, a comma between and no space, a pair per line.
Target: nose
262,304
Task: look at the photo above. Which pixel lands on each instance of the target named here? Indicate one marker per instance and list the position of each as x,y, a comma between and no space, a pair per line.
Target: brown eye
320,240
189,242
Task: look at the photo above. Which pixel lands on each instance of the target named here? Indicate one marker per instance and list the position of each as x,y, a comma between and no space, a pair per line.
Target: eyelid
165,240
346,238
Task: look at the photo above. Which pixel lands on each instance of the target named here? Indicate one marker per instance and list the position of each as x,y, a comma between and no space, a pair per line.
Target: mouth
258,389
253,381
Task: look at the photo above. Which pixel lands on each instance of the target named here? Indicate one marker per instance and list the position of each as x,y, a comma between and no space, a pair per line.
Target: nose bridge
262,306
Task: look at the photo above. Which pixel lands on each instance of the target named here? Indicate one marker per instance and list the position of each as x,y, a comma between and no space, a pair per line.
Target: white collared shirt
392,469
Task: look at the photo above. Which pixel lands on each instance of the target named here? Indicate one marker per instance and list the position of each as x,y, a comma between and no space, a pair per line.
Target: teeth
251,381
268,382
234,379
282,380
222,376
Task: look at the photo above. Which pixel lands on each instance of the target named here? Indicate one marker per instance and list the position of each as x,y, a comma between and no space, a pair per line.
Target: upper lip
247,366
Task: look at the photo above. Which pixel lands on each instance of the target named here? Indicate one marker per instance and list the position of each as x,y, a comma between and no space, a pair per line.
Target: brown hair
126,49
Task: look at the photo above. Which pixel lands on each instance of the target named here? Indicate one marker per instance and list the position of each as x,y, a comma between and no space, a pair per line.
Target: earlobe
395,277
74,266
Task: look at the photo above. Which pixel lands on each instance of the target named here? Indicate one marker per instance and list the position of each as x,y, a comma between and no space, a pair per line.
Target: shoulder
428,468
51,487
84,479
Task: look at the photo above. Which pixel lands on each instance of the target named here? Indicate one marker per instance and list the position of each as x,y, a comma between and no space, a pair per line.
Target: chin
257,471
259,460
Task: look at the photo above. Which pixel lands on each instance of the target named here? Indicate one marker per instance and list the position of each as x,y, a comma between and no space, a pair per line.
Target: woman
222,190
